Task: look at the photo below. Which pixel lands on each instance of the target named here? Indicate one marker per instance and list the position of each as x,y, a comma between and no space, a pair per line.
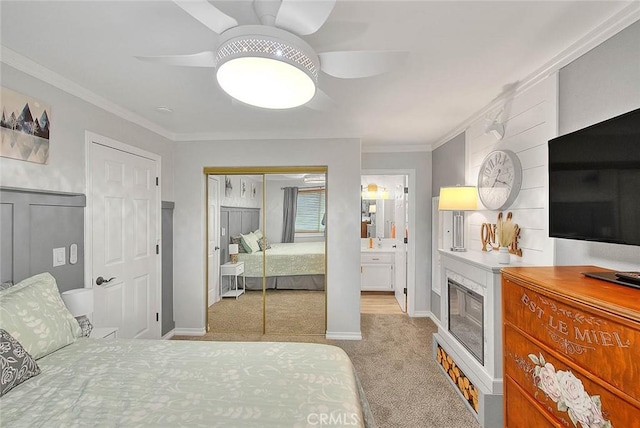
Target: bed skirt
294,282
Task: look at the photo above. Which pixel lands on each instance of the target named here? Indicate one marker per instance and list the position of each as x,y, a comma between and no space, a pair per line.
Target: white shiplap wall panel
534,177
530,121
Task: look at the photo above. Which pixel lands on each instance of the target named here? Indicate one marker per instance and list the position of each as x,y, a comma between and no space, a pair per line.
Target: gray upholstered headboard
234,221
32,224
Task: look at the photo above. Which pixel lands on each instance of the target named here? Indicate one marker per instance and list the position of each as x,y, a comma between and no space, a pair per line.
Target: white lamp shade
233,248
79,301
372,209
458,198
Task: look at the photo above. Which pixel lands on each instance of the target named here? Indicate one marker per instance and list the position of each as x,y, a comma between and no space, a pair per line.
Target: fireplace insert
466,316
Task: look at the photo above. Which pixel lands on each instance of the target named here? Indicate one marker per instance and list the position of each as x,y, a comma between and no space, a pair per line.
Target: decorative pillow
264,243
258,234
238,240
250,243
33,312
85,325
17,365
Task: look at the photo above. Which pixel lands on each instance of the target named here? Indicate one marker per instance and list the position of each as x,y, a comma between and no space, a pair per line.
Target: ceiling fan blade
356,64
321,101
201,59
303,17
209,15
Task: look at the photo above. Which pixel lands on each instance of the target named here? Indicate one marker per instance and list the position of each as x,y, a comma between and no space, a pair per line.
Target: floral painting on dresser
568,392
24,127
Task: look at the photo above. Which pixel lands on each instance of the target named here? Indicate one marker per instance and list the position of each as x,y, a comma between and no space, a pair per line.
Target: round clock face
499,179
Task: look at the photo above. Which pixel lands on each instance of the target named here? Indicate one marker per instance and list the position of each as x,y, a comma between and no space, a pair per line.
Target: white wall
530,120
420,197
341,156
70,118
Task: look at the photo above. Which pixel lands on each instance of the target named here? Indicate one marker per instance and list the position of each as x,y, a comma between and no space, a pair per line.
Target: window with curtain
310,211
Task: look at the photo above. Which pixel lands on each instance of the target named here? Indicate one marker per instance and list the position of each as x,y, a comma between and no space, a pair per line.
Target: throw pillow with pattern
16,363
85,325
264,243
238,240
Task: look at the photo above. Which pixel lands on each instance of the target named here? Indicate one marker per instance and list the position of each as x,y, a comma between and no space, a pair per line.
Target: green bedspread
129,383
300,258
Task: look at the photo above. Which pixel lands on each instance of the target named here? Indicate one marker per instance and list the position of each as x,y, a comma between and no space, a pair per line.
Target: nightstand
233,270
104,333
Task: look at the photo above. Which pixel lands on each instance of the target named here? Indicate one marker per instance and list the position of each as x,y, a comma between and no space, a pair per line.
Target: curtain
289,208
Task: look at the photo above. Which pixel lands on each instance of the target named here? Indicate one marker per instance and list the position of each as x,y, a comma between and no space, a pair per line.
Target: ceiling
462,55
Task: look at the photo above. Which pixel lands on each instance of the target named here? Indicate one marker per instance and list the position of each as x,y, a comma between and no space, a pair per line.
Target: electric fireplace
468,344
466,316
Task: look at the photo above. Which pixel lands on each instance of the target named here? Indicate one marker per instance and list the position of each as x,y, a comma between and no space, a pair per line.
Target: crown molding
32,68
601,33
394,148
264,136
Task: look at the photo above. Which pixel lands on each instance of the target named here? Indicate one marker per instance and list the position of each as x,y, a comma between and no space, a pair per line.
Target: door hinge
157,181
157,249
406,190
406,240
405,290
157,317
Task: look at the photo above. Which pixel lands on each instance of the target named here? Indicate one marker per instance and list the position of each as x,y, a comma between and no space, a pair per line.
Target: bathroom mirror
378,205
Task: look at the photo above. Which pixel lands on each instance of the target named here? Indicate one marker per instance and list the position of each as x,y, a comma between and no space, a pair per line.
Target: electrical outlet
59,256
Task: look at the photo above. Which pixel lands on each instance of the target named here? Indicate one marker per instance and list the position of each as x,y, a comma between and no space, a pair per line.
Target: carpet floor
287,312
402,382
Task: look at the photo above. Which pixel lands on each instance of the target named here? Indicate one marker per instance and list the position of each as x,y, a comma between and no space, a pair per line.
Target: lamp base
234,258
458,249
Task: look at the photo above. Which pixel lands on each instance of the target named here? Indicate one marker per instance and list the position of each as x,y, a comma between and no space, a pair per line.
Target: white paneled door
400,215
125,242
213,246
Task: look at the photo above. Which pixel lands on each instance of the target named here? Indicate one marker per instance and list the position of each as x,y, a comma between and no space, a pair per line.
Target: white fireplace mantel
479,272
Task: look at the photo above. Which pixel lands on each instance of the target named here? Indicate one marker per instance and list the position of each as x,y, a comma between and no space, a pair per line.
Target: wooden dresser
571,349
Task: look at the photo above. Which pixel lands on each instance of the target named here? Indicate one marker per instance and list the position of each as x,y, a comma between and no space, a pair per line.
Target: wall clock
499,179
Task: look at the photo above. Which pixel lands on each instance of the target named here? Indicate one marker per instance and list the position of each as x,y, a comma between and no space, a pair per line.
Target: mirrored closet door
272,257
295,258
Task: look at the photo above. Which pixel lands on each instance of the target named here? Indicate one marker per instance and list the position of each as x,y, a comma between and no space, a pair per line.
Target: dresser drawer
377,257
523,411
604,344
533,367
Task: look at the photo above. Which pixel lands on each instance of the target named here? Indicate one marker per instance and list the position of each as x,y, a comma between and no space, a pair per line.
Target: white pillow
250,243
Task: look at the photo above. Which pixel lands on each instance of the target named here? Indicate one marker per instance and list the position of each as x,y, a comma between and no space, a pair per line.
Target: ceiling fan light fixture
266,67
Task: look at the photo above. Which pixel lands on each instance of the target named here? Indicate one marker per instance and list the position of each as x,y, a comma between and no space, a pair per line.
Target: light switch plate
59,256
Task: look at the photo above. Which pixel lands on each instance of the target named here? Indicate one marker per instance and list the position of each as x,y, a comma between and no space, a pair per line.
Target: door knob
216,248
100,280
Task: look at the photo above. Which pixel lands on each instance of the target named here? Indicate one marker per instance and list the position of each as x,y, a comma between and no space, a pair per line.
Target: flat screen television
594,182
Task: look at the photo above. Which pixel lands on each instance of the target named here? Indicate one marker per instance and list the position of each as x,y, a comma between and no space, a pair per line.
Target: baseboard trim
336,335
189,331
435,320
169,335
421,314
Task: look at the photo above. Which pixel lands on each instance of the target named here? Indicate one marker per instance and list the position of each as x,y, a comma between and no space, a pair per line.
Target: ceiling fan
270,65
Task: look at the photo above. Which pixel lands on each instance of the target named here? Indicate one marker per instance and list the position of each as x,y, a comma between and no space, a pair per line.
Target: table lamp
79,301
233,252
458,199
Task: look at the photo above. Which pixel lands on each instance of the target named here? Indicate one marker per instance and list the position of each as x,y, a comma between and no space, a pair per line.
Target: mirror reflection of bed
290,297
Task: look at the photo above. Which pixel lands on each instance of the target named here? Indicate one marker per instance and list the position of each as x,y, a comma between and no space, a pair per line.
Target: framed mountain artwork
24,127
